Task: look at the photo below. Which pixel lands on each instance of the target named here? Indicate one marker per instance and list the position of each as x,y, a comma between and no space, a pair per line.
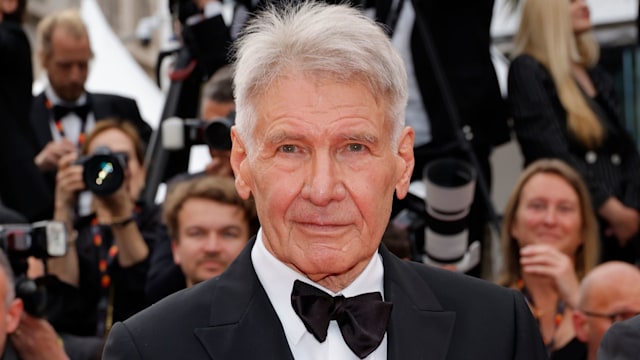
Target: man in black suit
320,144
64,112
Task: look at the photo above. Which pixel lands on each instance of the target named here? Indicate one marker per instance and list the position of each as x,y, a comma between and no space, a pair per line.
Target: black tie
60,111
362,319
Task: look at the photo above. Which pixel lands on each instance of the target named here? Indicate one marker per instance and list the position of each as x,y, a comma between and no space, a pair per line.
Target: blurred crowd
81,159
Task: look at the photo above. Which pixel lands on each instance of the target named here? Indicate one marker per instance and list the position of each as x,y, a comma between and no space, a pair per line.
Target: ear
174,251
14,313
407,161
238,159
581,326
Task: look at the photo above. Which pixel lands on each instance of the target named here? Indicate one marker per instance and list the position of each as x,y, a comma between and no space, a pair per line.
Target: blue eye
288,148
356,147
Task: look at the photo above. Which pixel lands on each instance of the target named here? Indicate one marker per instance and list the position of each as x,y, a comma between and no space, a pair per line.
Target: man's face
623,301
68,64
323,172
210,237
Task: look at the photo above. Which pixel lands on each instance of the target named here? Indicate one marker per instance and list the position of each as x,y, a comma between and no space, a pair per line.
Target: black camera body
180,133
42,240
103,171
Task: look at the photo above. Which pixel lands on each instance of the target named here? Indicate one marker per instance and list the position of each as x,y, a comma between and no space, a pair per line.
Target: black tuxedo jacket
436,315
102,106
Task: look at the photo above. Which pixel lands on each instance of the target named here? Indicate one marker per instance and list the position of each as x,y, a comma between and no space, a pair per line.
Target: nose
212,243
76,74
550,216
323,180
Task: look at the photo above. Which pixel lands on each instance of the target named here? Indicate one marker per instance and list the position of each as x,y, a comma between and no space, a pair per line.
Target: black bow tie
60,111
362,319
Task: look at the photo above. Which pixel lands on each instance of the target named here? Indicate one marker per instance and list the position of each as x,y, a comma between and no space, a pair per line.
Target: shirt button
468,133
615,159
590,157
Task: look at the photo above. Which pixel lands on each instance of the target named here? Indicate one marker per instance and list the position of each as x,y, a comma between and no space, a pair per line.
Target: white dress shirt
277,280
71,123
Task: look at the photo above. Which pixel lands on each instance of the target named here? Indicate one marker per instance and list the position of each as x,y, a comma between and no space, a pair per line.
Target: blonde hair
70,20
586,256
546,34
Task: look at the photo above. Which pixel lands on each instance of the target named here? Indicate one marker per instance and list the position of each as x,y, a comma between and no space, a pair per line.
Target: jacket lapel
242,323
39,121
419,325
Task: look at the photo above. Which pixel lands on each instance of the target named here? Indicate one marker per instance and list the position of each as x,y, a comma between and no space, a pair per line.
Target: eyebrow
362,137
281,136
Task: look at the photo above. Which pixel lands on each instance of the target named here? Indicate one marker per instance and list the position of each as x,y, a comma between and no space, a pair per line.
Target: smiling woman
549,236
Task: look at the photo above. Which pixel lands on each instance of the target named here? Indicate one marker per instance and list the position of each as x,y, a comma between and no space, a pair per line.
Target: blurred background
128,36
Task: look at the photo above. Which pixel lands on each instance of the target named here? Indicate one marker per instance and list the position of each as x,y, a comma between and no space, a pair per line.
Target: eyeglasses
619,316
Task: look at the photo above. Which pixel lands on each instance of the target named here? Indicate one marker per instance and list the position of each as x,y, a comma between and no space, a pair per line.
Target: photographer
102,277
29,338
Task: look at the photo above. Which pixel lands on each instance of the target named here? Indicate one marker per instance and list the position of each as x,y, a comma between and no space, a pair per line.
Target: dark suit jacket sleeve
120,344
527,339
621,341
540,120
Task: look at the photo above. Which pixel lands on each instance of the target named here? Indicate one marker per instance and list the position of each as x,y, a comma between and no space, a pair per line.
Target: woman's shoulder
525,62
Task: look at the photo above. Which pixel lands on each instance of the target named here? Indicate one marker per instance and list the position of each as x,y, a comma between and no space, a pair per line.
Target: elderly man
609,293
320,144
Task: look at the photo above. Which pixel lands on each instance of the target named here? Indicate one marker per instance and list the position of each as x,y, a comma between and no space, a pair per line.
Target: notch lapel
243,324
419,327
39,119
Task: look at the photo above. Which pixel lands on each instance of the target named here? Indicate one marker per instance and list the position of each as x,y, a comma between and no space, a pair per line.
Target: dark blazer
540,123
621,341
102,106
436,315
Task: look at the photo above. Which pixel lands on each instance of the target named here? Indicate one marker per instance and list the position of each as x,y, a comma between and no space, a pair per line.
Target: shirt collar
277,279
56,100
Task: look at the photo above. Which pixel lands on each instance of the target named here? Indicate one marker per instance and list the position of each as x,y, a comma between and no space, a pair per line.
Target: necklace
538,313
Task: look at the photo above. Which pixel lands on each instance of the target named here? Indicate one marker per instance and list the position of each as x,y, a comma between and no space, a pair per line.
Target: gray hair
319,40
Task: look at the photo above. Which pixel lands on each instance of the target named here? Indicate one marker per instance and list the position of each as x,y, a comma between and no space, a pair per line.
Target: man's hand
35,339
49,157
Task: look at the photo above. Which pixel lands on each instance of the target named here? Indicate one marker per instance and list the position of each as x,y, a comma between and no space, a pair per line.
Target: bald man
609,293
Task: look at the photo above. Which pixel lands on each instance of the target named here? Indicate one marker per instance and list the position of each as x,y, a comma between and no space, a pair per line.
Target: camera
178,133
42,240
103,171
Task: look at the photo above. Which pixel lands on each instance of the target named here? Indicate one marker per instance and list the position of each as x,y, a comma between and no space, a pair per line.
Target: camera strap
60,111
107,253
